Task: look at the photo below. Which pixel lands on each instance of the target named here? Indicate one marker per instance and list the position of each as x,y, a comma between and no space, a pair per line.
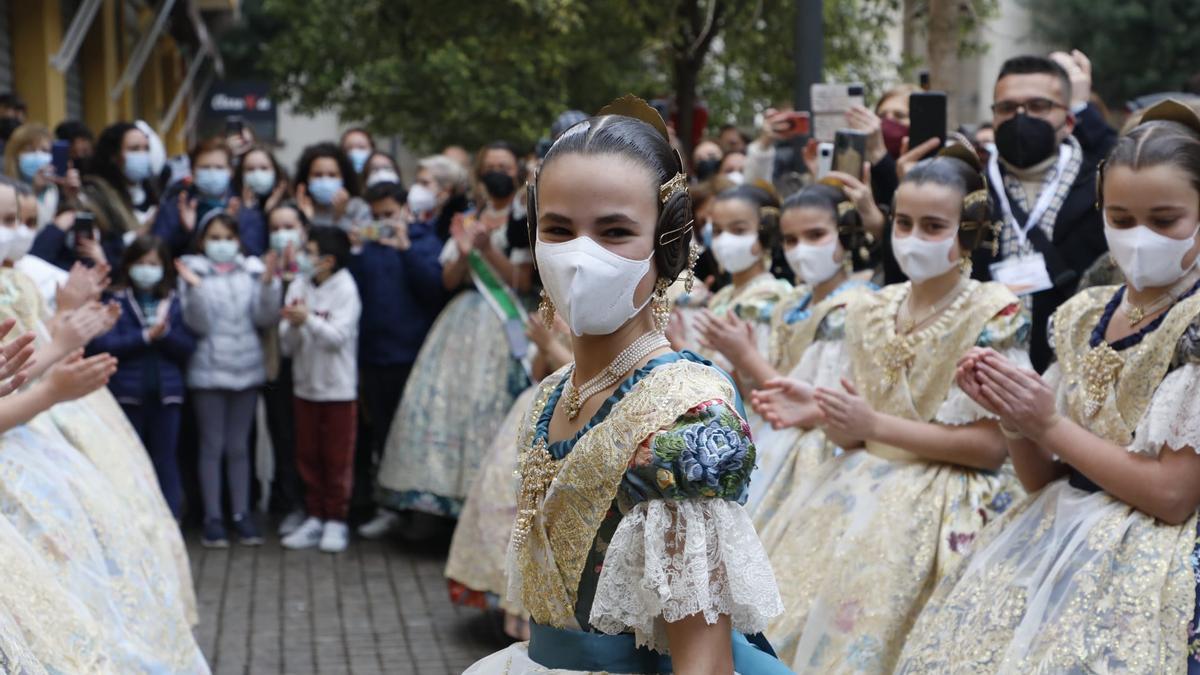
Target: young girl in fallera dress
860,545
1096,571
821,235
635,458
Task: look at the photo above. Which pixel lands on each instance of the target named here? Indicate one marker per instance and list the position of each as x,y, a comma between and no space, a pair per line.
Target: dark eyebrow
935,219
615,219
555,218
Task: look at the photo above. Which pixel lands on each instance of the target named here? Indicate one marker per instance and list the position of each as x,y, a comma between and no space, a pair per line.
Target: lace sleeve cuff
1173,417
958,408
672,559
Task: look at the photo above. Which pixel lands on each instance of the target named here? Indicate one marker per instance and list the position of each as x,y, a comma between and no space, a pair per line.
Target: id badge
518,343
1024,274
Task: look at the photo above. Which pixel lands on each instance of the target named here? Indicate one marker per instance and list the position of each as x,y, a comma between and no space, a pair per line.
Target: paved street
381,607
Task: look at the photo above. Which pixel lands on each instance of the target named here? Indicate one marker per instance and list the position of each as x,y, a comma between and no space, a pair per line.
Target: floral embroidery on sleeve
706,453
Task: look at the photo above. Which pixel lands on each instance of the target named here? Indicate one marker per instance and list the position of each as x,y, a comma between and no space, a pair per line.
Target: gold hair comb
669,188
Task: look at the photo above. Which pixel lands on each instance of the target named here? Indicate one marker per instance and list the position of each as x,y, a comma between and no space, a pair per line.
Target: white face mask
814,264
1148,259
591,287
383,176
421,199
735,252
736,177
8,236
922,260
22,241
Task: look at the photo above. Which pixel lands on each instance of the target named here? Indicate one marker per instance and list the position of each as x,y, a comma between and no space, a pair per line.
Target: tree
455,71
1136,48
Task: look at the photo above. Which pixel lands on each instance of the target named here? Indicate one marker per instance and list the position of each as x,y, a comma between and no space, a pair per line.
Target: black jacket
1078,234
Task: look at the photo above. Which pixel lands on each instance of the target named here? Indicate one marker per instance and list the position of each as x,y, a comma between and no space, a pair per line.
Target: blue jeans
158,427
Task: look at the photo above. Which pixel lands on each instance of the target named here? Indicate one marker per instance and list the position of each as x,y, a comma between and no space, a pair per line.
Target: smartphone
234,125
849,151
378,229
824,159
794,123
829,105
923,80
926,117
85,225
60,157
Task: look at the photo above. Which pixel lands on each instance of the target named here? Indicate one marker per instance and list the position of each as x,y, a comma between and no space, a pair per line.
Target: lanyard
1044,199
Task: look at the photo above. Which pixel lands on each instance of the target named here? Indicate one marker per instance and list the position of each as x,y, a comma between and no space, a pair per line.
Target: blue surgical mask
324,188
359,157
29,163
221,251
212,182
260,181
137,165
145,277
280,239
305,265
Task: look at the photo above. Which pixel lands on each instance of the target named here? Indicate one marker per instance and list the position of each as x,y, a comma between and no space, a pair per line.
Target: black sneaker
247,532
214,535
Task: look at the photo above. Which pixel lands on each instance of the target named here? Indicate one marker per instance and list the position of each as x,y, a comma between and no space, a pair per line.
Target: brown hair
214,144
21,140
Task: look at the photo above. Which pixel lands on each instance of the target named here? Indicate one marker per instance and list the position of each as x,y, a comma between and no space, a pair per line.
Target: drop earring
546,310
661,306
693,256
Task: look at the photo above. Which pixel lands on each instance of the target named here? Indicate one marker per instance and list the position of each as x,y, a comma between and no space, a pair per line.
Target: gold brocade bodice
550,558
20,300
1108,391
910,375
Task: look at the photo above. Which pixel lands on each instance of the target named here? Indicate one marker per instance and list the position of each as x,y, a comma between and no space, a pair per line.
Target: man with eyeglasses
1042,175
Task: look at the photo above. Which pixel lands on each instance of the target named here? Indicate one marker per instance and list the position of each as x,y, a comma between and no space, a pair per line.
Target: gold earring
693,256
965,266
546,310
661,308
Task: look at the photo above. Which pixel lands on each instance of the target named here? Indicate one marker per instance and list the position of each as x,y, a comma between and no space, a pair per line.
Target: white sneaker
292,522
307,535
380,526
336,537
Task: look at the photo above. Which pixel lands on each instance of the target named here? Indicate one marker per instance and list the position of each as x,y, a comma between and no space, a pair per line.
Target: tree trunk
685,101
699,23
908,30
942,45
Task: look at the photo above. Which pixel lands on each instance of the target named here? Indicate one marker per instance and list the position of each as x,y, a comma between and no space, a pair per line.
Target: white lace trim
669,560
959,409
823,364
1173,416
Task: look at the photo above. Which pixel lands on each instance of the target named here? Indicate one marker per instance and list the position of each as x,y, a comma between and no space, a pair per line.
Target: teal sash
578,650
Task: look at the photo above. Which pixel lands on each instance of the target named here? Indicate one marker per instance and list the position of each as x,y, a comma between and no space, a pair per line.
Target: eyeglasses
1037,107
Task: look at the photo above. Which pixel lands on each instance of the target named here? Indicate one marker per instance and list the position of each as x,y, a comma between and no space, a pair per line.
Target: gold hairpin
843,208
975,199
669,188
769,211
676,234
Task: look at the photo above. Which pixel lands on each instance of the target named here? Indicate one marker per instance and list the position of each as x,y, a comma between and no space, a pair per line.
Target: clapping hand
75,376
1018,396
727,334
186,273
785,402
296,313
15,358
84,284
846,413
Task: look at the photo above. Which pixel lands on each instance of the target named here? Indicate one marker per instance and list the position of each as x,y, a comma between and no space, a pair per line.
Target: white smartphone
829,105
824,159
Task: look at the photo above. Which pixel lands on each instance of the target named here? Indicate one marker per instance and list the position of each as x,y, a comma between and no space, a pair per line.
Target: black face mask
499,184
707,168
1024,141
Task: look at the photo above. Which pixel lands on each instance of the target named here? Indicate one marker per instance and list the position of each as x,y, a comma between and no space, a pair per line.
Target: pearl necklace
628,358
1138,313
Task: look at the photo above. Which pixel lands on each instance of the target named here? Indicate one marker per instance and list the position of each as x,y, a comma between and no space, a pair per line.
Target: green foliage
1136,48
454,71
756,67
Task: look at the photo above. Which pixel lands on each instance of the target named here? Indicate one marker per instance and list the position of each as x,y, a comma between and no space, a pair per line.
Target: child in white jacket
319,330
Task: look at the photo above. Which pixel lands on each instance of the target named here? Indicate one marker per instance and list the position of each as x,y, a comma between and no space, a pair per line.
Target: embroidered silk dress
102,539
635,521
859,547
475,568
806,344
1074,580
462,385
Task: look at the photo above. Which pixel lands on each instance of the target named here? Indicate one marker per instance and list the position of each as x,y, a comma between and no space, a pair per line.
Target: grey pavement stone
380,607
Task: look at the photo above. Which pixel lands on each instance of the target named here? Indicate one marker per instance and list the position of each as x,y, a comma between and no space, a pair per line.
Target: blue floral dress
662,547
